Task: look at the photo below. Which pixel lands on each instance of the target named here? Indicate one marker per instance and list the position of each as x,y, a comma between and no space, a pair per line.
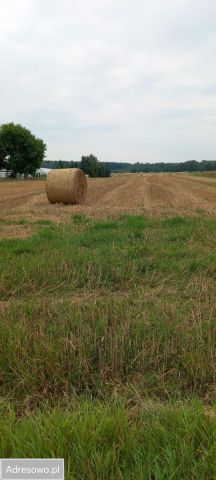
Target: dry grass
154,194
15,231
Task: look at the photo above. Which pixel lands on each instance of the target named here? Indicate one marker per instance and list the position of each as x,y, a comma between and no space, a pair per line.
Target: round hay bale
66,185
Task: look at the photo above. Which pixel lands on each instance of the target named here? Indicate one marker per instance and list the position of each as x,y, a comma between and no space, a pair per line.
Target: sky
129,81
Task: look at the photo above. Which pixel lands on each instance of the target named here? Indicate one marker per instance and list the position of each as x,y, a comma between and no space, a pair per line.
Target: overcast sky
127,80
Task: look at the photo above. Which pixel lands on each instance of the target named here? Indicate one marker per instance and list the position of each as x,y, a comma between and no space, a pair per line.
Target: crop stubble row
152,194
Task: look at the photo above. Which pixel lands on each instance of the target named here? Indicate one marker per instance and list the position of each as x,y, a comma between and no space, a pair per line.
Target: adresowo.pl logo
30,469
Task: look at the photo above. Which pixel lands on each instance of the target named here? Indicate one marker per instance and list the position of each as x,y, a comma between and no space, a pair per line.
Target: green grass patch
113,255
112,441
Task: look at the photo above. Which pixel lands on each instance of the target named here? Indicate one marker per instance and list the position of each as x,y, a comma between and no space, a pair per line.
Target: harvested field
152,194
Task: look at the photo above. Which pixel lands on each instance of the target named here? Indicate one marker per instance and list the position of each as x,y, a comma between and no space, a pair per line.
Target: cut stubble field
108,336
148,194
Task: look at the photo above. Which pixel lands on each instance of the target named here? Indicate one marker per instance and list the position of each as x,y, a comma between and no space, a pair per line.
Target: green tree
89,164
104,170
92,167
20,151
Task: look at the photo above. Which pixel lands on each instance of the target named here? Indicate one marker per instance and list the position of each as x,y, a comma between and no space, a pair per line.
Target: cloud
128,81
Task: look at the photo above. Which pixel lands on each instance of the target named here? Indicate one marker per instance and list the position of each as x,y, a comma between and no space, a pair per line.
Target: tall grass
50,349
113,441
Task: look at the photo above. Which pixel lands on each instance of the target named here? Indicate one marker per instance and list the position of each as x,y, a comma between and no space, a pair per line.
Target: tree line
22,153
188,166
117,167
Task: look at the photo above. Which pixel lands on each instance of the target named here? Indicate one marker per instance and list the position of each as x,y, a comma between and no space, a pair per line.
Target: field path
153,194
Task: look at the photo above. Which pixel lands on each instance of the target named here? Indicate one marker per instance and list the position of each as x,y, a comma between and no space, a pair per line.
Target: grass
51,348
112,441
89,256
100,320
